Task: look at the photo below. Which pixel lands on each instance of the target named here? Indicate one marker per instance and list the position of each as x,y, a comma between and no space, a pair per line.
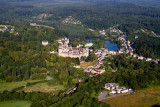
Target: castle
66,50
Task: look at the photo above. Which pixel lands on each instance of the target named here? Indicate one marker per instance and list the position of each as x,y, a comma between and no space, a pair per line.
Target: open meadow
38,86
13,85
44,87
142,98
44,26
86,64
15,104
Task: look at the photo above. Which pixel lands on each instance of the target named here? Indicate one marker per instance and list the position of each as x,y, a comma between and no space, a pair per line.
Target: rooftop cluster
71,20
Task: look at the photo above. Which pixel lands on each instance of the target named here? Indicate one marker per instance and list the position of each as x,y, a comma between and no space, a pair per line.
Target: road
102,95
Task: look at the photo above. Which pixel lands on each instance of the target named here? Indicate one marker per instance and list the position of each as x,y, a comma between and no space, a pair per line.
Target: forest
136,74
131,72
147,46
23,57
97,15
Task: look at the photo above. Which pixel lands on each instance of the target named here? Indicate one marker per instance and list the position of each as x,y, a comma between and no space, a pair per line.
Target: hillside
150,96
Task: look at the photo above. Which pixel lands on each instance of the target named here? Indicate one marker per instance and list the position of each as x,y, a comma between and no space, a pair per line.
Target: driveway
102,95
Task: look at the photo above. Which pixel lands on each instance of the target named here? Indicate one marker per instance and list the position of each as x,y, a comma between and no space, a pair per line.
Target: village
65,50
112,89
71,20
10,29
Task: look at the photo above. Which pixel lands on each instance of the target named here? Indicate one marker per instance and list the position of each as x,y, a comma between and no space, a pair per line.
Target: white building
65,50
102,32
114,88
51,52
33,24
44,43
124,91
140,57
149,59
113,92
79,46
121,38
136,37
111,86
112,52
88,44
134,55
91,29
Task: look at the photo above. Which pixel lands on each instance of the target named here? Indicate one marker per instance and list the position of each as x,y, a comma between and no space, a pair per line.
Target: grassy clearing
44,26
86,64
44,87
15,104
142,98
13,85
6,25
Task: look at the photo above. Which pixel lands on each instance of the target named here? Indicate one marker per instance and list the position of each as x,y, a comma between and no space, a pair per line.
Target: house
33,24
59,41
76,66
88,44
124,91
140,57
94,71
112,52
155,61
80,80
91,50
111,86
12,29
16,33
100,71
113,92
102,32
51,52
44,43
118,91
79,46
134,55
120,51
128,43
114,88
136,37
149,59
127,51
91,29
131,53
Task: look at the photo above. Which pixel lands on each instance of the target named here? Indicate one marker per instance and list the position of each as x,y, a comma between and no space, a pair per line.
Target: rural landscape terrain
79,53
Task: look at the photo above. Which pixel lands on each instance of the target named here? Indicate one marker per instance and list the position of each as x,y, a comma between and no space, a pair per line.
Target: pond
111,46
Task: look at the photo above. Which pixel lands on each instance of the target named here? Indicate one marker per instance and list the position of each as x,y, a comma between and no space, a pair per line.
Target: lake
111,46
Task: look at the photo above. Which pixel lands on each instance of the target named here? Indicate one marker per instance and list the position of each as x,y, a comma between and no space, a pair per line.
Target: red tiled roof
100,69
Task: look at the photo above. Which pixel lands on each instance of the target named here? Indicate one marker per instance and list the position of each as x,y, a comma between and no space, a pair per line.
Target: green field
142,98
44,26
44,87
12,85
15,104
6,25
